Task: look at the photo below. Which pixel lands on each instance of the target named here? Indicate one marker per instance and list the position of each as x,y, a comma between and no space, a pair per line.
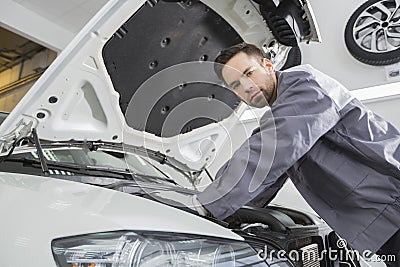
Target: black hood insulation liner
161,35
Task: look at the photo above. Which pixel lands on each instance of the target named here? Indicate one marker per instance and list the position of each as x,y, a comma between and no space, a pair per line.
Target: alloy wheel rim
377,28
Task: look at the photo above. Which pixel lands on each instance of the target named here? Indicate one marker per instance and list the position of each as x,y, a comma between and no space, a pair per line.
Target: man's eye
249,73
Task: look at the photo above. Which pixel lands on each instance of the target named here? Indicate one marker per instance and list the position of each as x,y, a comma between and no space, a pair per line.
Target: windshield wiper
76,168
112,170
60,166
87,169
140,151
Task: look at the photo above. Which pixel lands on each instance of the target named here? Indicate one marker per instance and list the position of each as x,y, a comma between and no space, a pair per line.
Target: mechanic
342,158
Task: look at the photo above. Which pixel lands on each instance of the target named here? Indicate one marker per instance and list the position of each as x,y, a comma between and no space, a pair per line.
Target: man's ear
267,63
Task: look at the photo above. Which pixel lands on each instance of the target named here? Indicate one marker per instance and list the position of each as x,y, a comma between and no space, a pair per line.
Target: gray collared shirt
343,159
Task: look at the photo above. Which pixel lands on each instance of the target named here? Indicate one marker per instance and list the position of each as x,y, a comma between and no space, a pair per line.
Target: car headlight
151,249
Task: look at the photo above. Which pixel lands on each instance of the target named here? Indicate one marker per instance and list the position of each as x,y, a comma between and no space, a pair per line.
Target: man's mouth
254,95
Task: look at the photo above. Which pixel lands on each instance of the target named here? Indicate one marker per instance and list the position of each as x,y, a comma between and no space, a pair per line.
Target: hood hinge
22,129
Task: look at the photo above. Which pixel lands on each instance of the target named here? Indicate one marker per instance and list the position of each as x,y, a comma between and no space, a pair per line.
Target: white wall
388,108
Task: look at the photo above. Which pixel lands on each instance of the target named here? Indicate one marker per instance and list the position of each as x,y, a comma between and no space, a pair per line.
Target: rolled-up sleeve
307,107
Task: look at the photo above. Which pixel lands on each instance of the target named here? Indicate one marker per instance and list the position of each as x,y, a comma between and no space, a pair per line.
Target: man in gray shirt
343,158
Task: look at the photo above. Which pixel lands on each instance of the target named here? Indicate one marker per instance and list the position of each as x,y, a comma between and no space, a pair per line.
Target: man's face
252,80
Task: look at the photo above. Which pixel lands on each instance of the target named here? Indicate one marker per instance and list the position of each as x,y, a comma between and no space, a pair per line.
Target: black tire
386,49
293,58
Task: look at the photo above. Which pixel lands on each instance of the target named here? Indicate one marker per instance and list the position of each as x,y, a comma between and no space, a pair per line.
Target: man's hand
178,199
199,207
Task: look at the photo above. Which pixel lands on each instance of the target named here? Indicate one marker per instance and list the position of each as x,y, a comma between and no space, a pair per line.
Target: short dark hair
225,55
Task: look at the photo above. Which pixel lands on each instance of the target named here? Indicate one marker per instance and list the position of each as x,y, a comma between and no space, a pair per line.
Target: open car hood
141,73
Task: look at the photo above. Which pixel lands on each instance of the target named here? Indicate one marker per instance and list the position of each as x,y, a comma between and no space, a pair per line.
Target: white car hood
46,208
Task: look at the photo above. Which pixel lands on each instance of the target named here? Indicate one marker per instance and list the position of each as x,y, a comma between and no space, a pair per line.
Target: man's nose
247,84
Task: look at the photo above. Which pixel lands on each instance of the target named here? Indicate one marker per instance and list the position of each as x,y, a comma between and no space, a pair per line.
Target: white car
100,159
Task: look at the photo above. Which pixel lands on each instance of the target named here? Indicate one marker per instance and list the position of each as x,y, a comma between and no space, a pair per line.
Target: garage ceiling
14,49
50,23
71,15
